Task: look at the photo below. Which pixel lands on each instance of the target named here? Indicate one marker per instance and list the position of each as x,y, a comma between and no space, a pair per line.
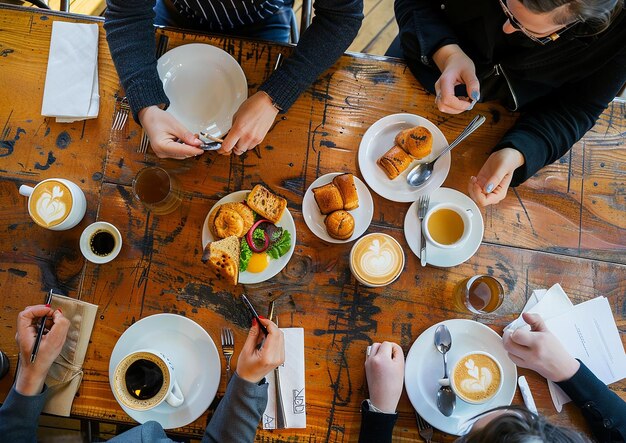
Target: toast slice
222,257
267,205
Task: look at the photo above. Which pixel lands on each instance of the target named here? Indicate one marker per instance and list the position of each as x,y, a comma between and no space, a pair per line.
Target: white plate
195,359
315,219
439,256
205,86
275,266
424,367
379,138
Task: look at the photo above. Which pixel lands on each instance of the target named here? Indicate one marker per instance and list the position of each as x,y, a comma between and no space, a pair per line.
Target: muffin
340,225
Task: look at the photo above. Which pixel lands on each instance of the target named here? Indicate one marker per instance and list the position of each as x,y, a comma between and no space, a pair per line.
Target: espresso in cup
376,259
56,203
447,225
144,379
100,242
476,377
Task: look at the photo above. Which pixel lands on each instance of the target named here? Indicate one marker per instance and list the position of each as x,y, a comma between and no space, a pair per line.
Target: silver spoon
421,173
446,399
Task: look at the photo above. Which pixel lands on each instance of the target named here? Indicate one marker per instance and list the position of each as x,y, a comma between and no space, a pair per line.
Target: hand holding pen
253,362
31,375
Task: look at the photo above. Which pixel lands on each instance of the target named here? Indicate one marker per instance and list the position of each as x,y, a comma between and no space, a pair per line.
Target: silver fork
422,209
145,141
424,428
121,114
228,348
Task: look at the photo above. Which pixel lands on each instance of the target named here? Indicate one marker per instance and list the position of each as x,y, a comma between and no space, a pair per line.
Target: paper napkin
292,384
71,89
587,331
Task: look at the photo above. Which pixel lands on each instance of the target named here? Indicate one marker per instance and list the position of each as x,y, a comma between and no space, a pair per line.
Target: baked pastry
340,225
267,205
347,189
233,218
222,257
394,162
328,198
417,141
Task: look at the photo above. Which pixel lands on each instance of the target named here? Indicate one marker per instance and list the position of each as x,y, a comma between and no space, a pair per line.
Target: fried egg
258,262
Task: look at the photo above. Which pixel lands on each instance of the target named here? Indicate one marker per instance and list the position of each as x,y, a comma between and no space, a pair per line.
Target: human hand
384,369
31,376
492,182
168,137
539,350
251,122
456,69
254,363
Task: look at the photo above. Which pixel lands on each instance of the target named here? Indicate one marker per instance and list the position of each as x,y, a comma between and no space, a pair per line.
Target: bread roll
417,141
230,219
340,225
394,162
328,198
268,205
347,189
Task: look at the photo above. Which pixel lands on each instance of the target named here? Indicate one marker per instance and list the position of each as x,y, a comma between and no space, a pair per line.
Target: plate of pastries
338,207
248,236
392,146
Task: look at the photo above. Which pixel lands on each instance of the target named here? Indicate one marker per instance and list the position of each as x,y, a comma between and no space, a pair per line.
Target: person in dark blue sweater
130,34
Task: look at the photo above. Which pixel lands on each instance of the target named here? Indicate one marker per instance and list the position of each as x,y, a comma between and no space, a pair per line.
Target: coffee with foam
476,377
50,203
376,259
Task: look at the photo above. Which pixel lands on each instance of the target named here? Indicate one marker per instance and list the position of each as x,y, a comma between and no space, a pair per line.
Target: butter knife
281,420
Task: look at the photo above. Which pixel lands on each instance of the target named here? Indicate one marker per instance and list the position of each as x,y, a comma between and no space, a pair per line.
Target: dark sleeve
238,414
376,427
129,26
602,408
19,416
551,125
334,27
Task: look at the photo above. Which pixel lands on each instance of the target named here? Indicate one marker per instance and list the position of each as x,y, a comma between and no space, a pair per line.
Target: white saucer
195,358
438,256
379,138
205,86
275,266
315,219
424,367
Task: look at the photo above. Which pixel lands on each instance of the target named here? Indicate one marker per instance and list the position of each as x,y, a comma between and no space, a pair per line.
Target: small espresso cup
144,379
56,203
376,259
158,190
447,225
100,242
476,377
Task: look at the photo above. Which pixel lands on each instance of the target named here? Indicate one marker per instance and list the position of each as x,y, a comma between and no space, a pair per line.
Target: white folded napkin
71,89
292,384
587,331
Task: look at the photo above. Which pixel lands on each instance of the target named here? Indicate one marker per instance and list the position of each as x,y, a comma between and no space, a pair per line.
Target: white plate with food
268,261
380,138
205,86
315,220
193,354
424,368
437,256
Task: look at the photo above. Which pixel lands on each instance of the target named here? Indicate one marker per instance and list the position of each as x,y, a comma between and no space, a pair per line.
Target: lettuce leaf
281,246
245,254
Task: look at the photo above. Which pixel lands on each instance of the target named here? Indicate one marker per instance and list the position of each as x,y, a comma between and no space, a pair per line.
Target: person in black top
560,62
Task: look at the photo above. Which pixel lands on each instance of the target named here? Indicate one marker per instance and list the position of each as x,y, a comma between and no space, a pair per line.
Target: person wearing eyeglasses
129,26
559,62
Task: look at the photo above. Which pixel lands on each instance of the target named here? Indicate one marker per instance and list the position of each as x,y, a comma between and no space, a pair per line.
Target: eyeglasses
541,40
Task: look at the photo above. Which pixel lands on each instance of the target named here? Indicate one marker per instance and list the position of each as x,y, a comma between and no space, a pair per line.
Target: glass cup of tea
158,190
480,294
100,242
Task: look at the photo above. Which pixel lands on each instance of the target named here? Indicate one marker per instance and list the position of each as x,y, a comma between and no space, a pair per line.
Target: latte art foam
377,259
476,377
50,203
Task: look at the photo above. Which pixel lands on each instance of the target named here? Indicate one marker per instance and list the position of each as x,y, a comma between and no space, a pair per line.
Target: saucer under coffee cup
447,225
476,377
100,242
144,379
56,203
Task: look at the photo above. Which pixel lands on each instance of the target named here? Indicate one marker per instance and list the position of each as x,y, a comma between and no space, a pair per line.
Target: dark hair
522,427
597,14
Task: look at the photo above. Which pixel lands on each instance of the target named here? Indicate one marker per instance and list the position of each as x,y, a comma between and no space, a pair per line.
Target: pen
253,312
42,326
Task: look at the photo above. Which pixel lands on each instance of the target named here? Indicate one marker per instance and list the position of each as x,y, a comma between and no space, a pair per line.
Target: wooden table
565,225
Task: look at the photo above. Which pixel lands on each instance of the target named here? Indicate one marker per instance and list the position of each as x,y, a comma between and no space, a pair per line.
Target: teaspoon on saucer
446,399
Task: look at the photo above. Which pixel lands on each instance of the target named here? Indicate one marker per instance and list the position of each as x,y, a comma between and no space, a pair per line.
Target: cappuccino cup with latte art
55,203
476,377
376,260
